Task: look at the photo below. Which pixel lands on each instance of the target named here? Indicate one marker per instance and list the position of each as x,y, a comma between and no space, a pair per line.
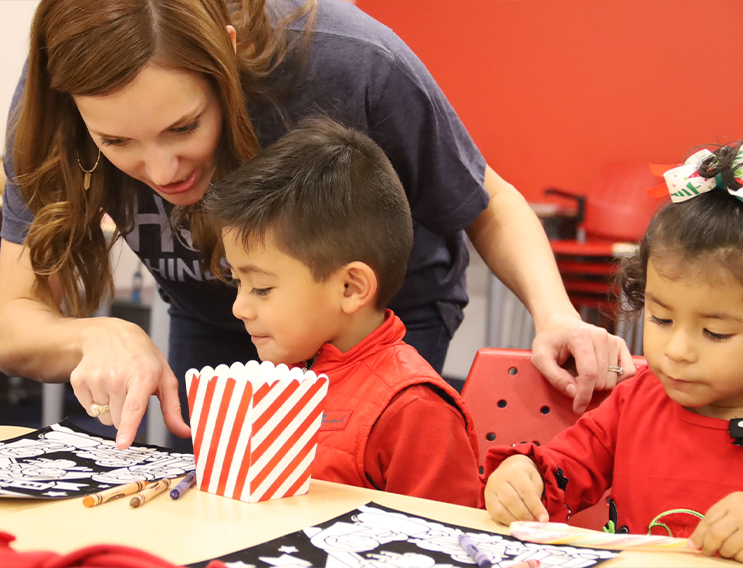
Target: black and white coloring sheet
63,461
374,536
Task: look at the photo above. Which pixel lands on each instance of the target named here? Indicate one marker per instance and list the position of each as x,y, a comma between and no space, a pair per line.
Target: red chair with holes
511,402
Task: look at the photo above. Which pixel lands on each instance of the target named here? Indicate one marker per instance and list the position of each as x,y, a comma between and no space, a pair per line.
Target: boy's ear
359,286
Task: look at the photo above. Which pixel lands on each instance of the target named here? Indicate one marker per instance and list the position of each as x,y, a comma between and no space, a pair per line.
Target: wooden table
201,526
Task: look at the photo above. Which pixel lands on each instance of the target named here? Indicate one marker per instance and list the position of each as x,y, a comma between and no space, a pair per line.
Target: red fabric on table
96,556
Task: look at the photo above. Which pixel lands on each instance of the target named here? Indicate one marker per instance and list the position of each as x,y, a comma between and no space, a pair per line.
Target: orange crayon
114,493
152,491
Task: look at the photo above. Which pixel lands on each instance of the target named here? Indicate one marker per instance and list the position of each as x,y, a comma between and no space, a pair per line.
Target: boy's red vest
362,382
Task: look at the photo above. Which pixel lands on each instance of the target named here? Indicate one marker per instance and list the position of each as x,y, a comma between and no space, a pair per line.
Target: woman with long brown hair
133,107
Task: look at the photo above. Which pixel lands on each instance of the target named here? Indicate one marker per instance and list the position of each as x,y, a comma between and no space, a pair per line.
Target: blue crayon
186,484
480,558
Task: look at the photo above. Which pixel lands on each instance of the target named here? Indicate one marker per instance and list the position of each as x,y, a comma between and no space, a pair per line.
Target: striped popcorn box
254,429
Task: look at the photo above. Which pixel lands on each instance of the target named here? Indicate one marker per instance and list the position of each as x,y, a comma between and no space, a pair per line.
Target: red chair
511,402
610,220
617,207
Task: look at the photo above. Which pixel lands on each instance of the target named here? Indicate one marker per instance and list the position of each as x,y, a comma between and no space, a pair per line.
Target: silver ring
98,409
617,370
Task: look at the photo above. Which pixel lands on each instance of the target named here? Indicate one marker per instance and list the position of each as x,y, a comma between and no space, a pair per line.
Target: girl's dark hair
694,235
329,196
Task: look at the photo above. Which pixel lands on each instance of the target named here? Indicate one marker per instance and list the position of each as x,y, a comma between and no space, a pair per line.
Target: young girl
664,441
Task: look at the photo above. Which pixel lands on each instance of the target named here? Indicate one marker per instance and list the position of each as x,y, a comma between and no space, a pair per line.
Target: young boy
317,231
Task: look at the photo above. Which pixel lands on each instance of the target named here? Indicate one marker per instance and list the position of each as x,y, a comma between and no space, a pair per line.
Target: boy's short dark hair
330,197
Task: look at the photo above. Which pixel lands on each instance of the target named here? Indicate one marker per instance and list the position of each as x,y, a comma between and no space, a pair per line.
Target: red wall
552,89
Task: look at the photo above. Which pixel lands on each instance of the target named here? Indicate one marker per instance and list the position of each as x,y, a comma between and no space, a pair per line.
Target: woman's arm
107,360
511,240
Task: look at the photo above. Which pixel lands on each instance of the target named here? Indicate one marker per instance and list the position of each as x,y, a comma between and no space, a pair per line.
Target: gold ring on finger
98,409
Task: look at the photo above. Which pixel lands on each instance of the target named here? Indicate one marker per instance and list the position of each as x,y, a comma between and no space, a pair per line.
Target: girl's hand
514,492
721,529
122,367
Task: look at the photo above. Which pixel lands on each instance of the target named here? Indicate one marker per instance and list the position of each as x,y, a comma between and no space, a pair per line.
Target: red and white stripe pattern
254,428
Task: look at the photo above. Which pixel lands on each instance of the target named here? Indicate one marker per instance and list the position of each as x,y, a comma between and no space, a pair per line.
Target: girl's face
693,340
162,129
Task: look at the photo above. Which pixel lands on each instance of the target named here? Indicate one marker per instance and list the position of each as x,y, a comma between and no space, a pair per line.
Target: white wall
15,23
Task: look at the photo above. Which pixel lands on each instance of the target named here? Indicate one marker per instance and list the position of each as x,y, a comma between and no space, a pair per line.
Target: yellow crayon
152,490
114,493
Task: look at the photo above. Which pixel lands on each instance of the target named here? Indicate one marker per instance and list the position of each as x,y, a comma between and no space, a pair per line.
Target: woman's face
162,129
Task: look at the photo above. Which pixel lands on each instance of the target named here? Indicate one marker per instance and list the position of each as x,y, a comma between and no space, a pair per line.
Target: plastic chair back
511,402
617,206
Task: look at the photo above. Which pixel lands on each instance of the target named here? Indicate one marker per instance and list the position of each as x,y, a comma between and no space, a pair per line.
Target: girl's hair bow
703,171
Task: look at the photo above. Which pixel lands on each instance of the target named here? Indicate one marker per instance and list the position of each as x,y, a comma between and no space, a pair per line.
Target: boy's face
693,341
288,314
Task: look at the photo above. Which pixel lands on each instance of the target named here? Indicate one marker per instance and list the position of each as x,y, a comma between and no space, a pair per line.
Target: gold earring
86,179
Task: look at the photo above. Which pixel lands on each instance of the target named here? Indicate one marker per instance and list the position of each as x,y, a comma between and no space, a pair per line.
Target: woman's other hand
594,350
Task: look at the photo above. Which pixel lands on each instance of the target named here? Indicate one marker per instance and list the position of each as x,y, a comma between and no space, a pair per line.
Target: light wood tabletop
200,526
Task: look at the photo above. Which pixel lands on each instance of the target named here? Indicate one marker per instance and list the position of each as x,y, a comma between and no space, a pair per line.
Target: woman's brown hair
95,48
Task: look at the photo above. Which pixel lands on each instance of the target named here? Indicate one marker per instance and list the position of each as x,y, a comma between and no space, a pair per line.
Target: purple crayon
185,484
480,558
